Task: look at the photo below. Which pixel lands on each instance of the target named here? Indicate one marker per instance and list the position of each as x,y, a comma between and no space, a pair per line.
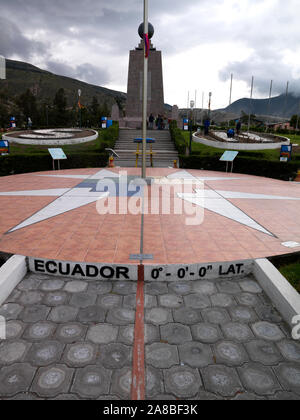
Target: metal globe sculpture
150,30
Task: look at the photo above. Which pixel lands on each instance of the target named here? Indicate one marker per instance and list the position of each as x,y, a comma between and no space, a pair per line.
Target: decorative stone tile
243,314
250,286
170,301
80,354
222,300
83,300
93,314
52,285
70,333
285,396
247,299
247,396
100,287
158,316
39,331
180,288
182,381
195,355
187,316
221,380
268,331
67,397
150,301
31,298
197,301
289,376
14,329
175,333
63,313
259,379
129,301
230,353
162,397
34,313
121,316
263,352
124,287
14,296
103,333
121,383
56,298
45,353
290,350
108,398
206,333
238,332
30,282
52,381
207,396
268,313
115,356
216,316
161,355
153,382
109,301
26,397
12,351
228,286
16,378
156,288
10,311
76,286
204,287
92,382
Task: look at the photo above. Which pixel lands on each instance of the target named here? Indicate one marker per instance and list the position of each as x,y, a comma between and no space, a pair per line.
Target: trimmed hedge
178,138
244,165
19,164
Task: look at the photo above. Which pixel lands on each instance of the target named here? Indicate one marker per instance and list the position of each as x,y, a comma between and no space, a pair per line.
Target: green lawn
264,154
292,273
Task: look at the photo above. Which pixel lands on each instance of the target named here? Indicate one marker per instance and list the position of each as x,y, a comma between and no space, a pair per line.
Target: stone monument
135,81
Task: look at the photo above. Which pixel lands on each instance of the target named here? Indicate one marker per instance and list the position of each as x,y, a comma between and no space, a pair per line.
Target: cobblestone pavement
203,340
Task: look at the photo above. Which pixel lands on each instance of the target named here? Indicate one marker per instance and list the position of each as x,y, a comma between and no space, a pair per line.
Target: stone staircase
164,149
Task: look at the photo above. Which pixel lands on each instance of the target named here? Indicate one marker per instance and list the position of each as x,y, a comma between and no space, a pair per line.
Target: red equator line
138,369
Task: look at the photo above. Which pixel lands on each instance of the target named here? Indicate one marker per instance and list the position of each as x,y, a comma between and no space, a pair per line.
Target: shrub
178,138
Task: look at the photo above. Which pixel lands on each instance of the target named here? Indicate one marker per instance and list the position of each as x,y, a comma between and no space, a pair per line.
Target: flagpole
145,92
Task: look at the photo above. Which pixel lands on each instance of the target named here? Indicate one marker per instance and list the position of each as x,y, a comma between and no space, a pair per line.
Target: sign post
57,154
227,157
286,153
4,147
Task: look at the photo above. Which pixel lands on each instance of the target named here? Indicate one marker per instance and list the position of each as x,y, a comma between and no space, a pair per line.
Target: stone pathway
203,340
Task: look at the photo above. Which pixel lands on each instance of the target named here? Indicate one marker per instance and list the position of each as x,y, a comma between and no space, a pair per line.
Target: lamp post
145,88
79,104
192,104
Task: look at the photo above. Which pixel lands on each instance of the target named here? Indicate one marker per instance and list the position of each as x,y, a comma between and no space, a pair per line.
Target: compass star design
86,193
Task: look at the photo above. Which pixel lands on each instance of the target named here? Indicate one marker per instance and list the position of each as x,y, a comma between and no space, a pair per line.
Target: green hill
44,85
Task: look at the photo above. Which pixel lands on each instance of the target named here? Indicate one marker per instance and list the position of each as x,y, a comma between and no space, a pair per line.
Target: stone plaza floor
218,339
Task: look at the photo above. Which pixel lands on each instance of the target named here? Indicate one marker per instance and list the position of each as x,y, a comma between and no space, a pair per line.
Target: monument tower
135,80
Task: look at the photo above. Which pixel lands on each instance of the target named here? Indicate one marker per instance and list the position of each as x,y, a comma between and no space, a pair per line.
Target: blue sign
57,154
4,147
185,124
229,156
286,153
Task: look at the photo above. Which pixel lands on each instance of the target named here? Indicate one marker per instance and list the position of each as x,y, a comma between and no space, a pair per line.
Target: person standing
238,127
151,121
206,126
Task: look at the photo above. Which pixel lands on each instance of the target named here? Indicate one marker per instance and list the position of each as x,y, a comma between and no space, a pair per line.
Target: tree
295,121
27,104
60,114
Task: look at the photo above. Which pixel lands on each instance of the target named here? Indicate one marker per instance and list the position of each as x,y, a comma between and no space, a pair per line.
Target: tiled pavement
203,340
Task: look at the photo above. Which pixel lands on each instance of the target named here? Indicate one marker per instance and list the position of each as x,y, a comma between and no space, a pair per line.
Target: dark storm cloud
12,41
85,72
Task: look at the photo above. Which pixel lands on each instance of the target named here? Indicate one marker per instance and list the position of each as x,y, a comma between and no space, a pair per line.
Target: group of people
231,132
160,122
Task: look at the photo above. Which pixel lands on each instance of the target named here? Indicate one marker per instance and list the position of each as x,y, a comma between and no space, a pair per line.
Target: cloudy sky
203,42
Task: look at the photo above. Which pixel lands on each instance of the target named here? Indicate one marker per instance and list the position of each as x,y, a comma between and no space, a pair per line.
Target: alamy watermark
296,329
166,196
2,328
